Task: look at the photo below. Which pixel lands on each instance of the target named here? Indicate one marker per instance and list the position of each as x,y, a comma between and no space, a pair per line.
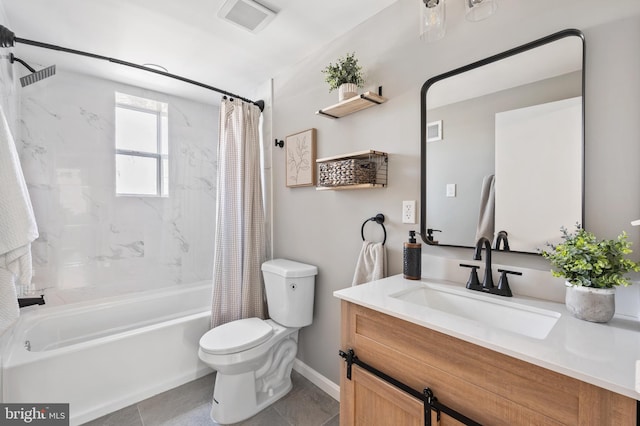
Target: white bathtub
107,354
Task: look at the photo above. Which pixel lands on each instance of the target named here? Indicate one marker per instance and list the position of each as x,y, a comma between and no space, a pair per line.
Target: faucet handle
473,283
503,288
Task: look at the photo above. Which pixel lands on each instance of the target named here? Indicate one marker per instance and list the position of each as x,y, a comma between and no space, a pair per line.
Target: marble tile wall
93,243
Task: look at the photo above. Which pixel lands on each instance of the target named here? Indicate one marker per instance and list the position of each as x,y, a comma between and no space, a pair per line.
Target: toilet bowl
254,357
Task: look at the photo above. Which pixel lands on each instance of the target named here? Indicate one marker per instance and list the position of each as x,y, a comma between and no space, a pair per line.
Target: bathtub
104,355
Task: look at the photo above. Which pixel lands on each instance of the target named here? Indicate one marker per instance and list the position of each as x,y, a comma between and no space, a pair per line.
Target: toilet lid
236,336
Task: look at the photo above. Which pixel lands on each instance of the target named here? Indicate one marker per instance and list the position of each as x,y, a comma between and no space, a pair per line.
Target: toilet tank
289,286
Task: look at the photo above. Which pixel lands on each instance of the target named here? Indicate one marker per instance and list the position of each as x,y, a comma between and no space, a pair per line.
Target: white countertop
604,355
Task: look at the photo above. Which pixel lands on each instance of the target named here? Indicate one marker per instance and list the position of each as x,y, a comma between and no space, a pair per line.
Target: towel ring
379,219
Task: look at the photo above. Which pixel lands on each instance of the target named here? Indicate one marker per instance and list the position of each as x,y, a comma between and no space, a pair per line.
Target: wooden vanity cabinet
486,386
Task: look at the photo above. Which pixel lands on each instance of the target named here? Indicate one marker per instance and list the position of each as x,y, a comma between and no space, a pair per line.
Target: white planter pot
590,303
346,91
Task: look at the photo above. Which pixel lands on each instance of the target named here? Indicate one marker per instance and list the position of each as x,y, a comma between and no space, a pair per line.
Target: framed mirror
502,147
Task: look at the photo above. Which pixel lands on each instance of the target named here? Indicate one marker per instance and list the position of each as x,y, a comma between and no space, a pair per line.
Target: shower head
35,76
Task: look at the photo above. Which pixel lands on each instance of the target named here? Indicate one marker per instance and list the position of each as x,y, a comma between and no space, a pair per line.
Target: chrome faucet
487,282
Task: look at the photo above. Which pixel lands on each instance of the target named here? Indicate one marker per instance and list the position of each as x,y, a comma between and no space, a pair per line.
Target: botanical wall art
301,157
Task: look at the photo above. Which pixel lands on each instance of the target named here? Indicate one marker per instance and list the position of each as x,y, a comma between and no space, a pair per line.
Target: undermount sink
488,310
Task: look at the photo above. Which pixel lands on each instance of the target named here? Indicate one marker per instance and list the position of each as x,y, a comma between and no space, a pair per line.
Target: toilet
253,357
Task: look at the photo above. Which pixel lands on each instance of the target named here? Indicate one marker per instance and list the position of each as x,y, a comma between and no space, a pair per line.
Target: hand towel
487,215
17,227
372,263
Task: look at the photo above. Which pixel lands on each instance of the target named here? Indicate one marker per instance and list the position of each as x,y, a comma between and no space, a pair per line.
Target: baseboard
332,389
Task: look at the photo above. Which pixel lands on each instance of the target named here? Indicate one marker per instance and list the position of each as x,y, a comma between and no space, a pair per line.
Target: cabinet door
374,402
446,420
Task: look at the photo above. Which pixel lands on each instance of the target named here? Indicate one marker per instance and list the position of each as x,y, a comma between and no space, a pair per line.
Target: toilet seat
236,336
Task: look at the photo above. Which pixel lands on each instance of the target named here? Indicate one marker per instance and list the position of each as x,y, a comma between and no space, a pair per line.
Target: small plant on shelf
345,70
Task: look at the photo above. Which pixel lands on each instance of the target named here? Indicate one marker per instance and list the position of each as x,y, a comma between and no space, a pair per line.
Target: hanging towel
372,263
17,227
487,216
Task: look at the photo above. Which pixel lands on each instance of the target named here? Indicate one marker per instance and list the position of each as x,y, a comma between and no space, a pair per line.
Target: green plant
345,70
584,261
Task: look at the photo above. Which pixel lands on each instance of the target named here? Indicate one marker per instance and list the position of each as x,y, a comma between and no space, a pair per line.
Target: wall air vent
246,14
434,131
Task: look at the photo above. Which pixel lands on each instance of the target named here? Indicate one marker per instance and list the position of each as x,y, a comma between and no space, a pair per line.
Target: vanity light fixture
433,15
432,19
477,10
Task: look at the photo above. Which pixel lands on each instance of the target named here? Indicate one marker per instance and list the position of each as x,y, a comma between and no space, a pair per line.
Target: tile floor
189,405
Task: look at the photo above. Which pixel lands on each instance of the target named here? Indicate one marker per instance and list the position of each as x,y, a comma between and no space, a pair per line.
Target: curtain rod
8,39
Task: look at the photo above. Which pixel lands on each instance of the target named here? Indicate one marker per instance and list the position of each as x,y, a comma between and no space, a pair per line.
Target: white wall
91,242
323,228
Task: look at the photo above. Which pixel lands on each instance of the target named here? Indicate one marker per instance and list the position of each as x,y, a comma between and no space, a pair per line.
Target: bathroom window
142,146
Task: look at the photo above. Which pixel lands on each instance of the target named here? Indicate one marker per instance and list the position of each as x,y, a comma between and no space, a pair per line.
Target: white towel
487,215
372,263
17,227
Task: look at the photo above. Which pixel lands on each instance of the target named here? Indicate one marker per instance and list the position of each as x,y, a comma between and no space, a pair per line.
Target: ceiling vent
246,14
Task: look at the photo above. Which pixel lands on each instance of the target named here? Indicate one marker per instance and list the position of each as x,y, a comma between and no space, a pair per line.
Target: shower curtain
240,244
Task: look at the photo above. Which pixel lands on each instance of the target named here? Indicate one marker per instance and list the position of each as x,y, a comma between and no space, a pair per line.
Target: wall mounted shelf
351,105
357,170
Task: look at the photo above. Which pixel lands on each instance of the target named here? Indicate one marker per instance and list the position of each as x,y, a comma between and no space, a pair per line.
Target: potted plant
592,269
345,75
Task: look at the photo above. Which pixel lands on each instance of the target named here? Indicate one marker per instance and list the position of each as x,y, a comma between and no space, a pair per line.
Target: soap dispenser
412,253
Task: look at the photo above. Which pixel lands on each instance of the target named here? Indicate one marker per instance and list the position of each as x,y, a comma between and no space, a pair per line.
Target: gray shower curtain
240,243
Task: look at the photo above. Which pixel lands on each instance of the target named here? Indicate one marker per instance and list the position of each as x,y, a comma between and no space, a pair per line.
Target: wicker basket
352,171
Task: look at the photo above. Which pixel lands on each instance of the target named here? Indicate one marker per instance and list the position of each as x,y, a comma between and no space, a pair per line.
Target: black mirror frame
423,118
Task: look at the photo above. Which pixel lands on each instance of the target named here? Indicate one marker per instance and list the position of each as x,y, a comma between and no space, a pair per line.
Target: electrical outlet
409,211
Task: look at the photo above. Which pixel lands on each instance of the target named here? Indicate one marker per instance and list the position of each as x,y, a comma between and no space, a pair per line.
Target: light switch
451,190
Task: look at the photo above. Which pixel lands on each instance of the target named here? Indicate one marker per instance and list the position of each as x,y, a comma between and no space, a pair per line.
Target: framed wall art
300,151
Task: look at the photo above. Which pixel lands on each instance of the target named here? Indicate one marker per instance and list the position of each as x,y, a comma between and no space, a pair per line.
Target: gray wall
323,228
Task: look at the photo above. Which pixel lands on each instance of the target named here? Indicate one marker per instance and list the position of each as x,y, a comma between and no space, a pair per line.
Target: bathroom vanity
496,361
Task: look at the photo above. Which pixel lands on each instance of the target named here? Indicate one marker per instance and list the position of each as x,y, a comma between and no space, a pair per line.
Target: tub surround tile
89,237
57,296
